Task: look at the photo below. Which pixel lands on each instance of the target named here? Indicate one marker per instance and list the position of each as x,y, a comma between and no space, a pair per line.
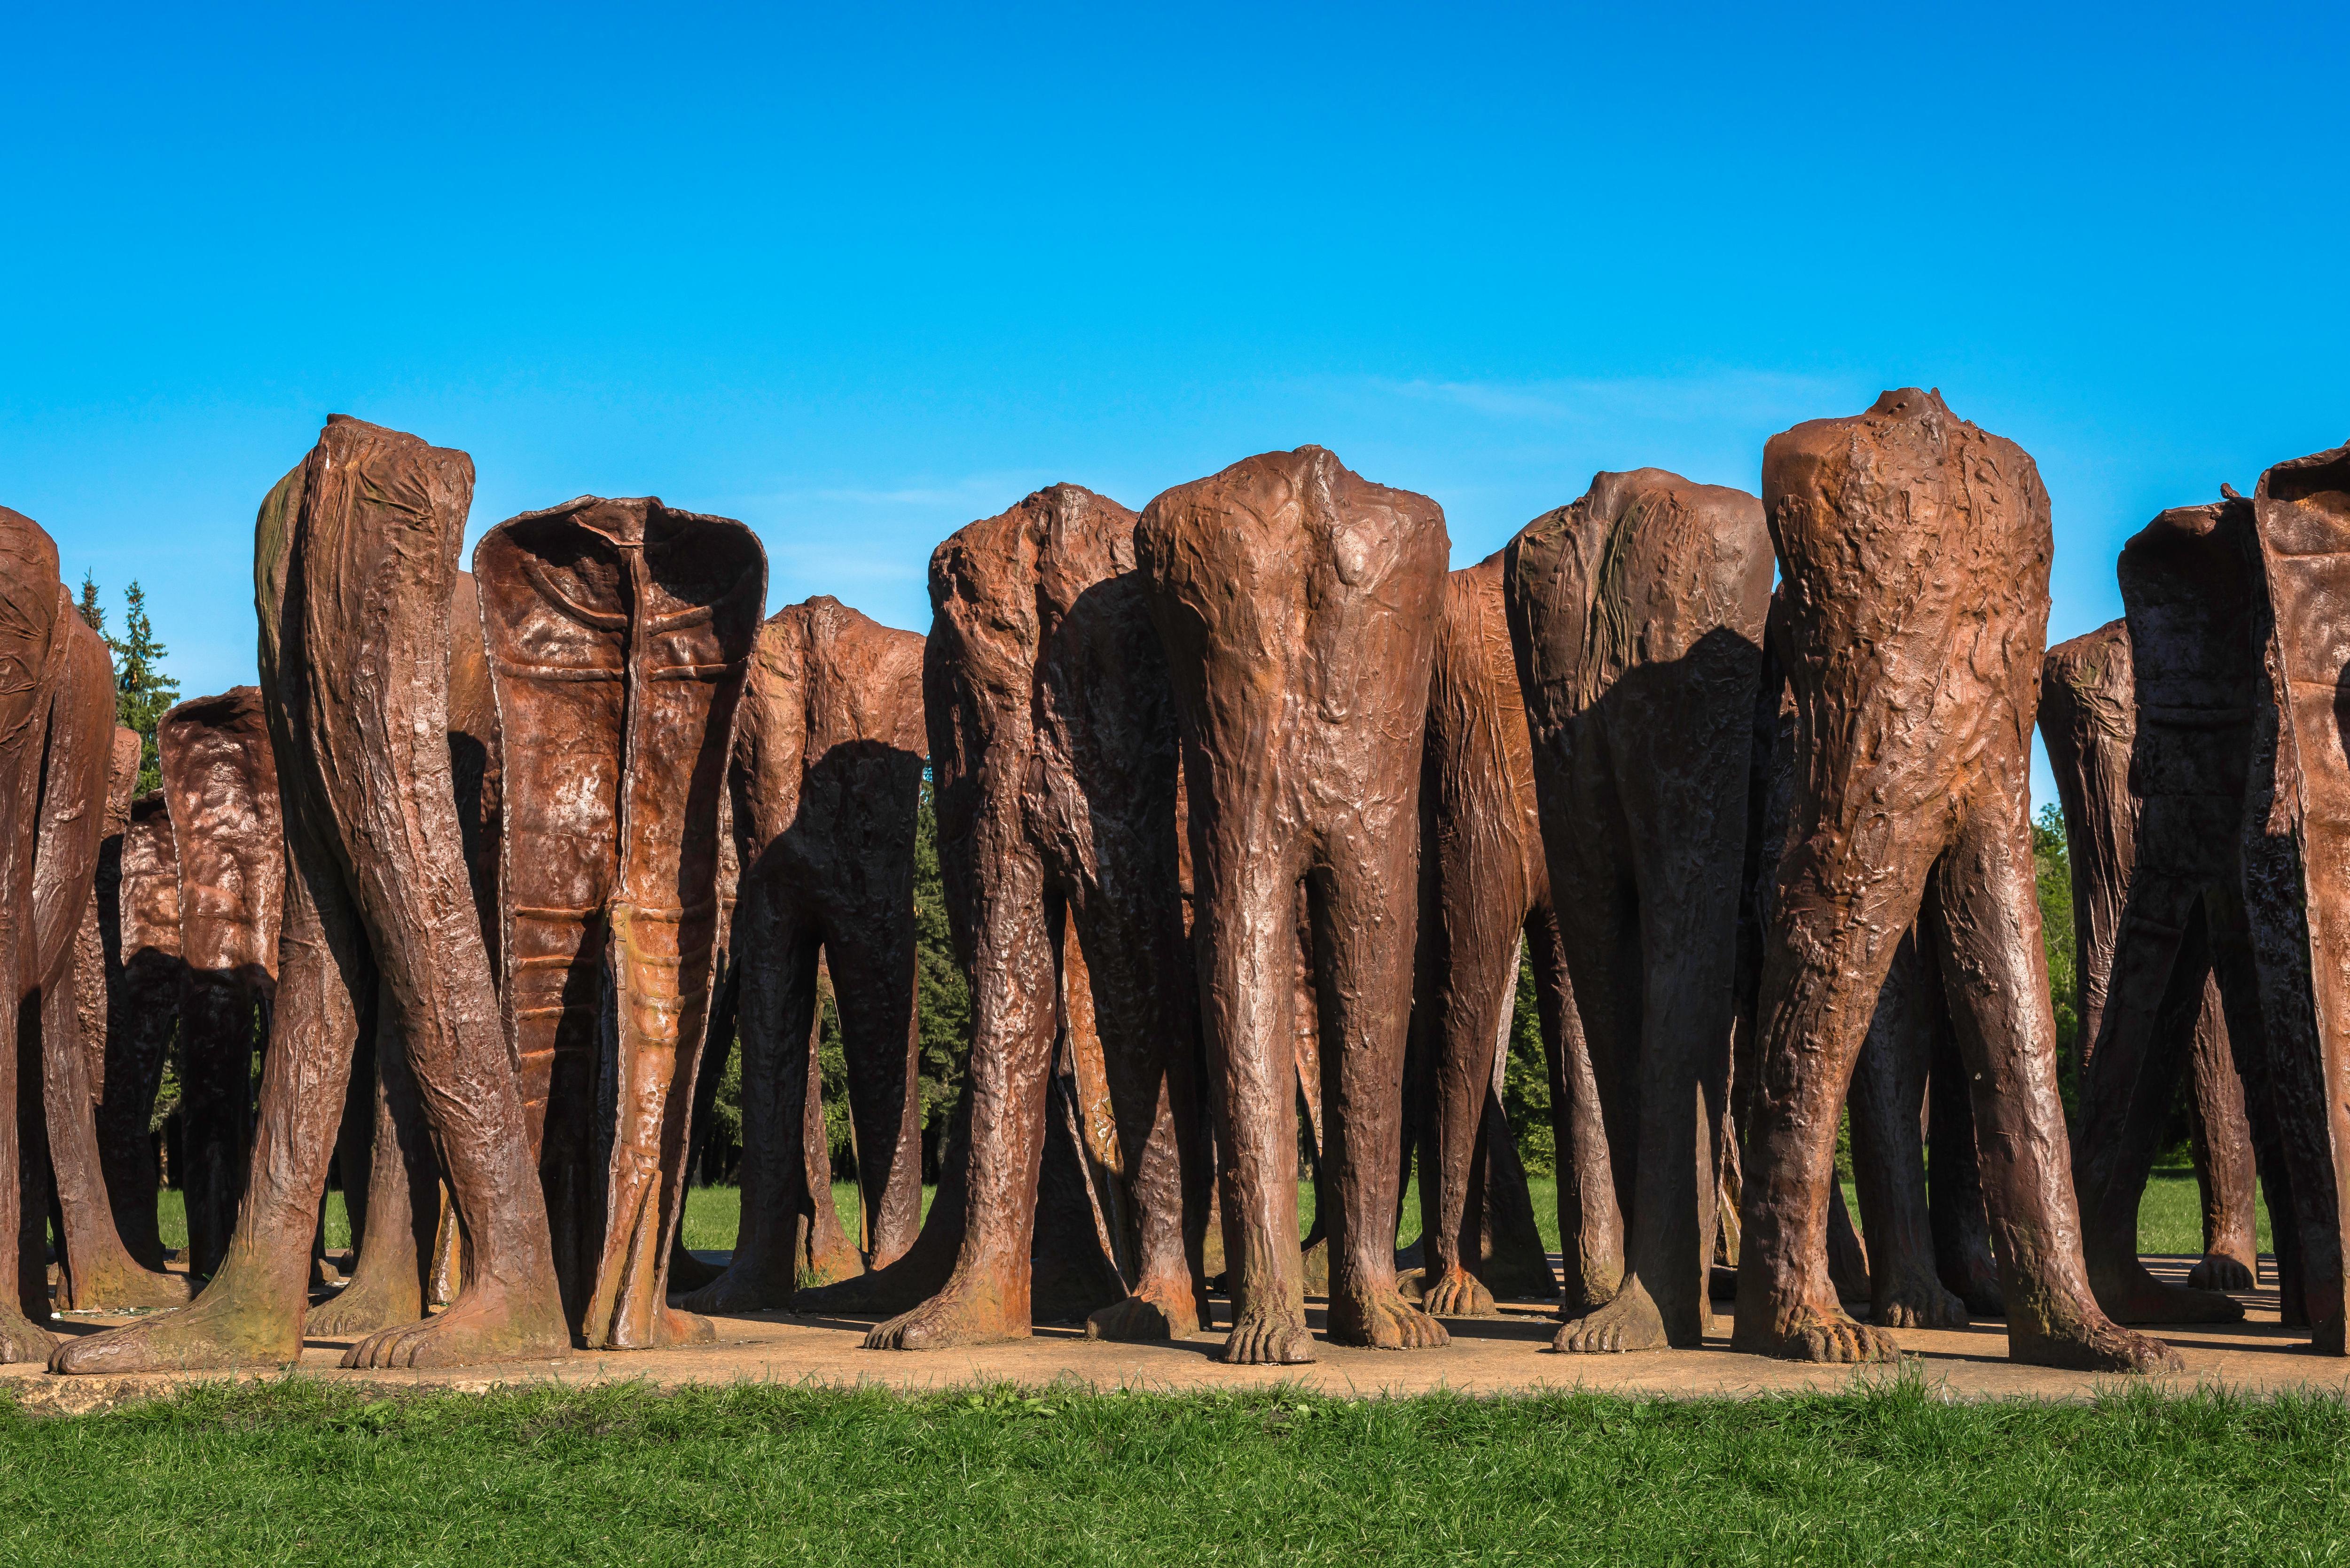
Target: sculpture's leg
1888,1093
2161,970
134,1073
1986,929
775,1015
2222,1146
1478,987
1365,901
1590,1222
1512,1259
1962,1256
387,1284
250,1313
825,1252
1130,939
99,1272
870,954
216,1026
986,1298
24,1205
2237,973
688,1274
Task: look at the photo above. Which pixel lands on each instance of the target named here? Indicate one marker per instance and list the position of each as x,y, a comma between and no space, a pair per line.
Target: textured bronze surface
353,555
2297,863
84,777
2088,719
1298,605
826,788
220,778
619,635
1053,753
144,1017
1638,615
1914,551
1485,900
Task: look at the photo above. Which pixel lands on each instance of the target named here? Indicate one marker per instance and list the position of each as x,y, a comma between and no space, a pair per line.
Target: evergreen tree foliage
142,693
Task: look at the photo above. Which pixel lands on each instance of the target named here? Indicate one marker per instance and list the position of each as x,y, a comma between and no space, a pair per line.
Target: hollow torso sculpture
1486,903
1052,741
353,554
619,634
2088,719
826,788
2296,875
1915,551
1298,605
1637,617
220,778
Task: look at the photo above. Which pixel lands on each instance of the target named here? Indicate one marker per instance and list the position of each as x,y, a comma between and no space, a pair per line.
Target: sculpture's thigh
870,952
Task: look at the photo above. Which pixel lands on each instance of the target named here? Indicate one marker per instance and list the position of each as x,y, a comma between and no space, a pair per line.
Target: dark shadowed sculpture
2088,719
1485,901
1052,753
620,634
2297,867
221,779
1914,550
144,1016
1638,618
353,555
81,775
827,787
1298,605
33,616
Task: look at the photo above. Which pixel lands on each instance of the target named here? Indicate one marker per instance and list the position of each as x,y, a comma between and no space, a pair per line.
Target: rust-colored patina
1637,615
355,551
1914,550
827,787
2297,865
221,777
620,633
1484,904
143,971
1298,605
1052,741
2088,719
83,773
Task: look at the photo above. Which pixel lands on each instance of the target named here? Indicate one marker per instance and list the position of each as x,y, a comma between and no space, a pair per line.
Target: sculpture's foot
2222,1271
747,1285
1825,1336
368,1304
1266,1339
1378,1319
130,1289
1630,1321
1160,1309
482,1324
1457,1292
673,1327
1977,1285
21,1340
831,1268
2092,1346
1914,1299
225,1327
960,1314
2127,1293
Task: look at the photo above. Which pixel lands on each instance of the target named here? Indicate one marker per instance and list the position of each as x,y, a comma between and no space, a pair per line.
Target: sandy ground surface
1508,1354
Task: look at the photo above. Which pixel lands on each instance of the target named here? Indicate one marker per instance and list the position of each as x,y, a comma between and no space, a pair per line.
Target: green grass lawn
305,1472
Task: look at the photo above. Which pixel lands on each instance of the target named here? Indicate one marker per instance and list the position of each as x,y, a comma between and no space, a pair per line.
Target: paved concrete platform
1508,1354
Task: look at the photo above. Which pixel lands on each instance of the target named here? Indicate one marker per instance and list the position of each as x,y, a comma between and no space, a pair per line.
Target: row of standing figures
1247,811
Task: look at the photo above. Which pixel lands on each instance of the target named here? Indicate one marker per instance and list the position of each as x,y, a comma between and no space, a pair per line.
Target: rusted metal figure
1052,741
145,981
2297,866
97,961
83,769
827,788
2088,719
1485,902
1298,605
353,555
1637,615
620,634
221,780
1914,550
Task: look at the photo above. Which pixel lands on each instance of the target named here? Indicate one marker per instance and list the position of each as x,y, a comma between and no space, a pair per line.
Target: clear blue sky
858,278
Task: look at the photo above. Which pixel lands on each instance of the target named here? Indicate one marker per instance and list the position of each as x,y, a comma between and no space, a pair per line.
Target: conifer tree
93,614
143,693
